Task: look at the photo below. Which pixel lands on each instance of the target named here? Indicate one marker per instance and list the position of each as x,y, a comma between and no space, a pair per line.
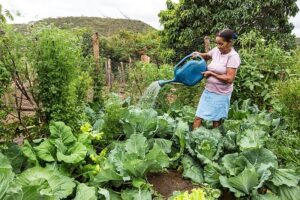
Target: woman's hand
195,54
207,74
226,78
203,55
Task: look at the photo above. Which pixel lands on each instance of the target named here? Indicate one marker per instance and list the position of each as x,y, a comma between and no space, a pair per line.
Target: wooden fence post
109,73
97,84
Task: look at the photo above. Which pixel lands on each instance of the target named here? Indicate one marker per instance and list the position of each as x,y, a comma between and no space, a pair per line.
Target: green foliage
35,182
85,192
205,193
127,44
13,68
192,170
62,146
4,14
114,112
204,144
187,22
287,94
235,158
263,63
132,159
56,55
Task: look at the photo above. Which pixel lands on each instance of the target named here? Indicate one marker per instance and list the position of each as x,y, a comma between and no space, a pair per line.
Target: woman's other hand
207,74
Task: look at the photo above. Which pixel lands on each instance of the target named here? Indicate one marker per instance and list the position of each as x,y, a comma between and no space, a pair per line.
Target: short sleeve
234,61
211,52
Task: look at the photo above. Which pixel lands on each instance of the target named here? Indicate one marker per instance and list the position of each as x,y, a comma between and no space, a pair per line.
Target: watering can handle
184,59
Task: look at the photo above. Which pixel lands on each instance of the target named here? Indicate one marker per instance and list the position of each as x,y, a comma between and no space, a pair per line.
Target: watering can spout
164,82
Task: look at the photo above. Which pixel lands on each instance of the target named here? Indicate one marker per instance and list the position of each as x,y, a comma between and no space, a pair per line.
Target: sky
144,10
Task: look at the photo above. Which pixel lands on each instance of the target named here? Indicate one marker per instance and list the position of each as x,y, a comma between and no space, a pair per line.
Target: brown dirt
168,182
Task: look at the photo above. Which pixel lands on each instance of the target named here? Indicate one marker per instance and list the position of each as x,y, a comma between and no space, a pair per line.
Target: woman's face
222,45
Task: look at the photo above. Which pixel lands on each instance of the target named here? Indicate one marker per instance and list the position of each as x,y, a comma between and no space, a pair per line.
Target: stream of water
149,96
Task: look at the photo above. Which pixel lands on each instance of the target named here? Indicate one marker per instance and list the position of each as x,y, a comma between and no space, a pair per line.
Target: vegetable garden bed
120,151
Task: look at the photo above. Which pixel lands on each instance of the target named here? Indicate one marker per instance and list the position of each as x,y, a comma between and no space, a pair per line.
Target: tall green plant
55,55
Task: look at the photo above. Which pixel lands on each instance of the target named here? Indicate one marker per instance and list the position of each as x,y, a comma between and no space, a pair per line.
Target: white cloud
144,10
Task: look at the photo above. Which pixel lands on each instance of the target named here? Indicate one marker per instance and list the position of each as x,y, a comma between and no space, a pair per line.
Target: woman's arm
227,78
206,56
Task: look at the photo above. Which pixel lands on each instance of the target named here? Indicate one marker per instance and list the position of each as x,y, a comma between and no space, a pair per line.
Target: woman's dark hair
227,34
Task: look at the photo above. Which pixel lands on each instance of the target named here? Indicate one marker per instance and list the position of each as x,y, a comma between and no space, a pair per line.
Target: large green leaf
14,192
234,163
158,158
155,160
287,177
252,139
268,196
136,144
134,194
140,121
229,141
241,184
212,173
6,174
181,131
15,156
29,152
45,151
257,157
60,130
165,125
289,193
164,144
43,182
105,193
136,167
85,192
265,175
72,154
106,175
192,170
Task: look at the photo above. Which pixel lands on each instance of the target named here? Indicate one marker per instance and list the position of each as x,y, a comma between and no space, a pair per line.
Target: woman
215,100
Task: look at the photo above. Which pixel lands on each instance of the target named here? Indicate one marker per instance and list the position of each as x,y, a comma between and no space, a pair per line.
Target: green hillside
104,26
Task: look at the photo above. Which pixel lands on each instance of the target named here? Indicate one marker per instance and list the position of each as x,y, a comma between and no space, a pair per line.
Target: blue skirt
213,106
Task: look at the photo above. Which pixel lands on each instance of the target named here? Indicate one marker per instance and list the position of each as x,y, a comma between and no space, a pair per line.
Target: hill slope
104,26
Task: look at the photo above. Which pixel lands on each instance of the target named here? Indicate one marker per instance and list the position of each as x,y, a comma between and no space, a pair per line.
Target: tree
187,22
4,15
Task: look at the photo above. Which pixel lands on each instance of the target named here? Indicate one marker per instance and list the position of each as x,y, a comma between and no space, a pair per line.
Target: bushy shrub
262,65
61,85
287,100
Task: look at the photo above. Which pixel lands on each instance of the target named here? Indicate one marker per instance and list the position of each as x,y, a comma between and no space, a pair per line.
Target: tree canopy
187,22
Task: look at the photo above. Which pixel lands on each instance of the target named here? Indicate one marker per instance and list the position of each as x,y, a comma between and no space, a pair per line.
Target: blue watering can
188,73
